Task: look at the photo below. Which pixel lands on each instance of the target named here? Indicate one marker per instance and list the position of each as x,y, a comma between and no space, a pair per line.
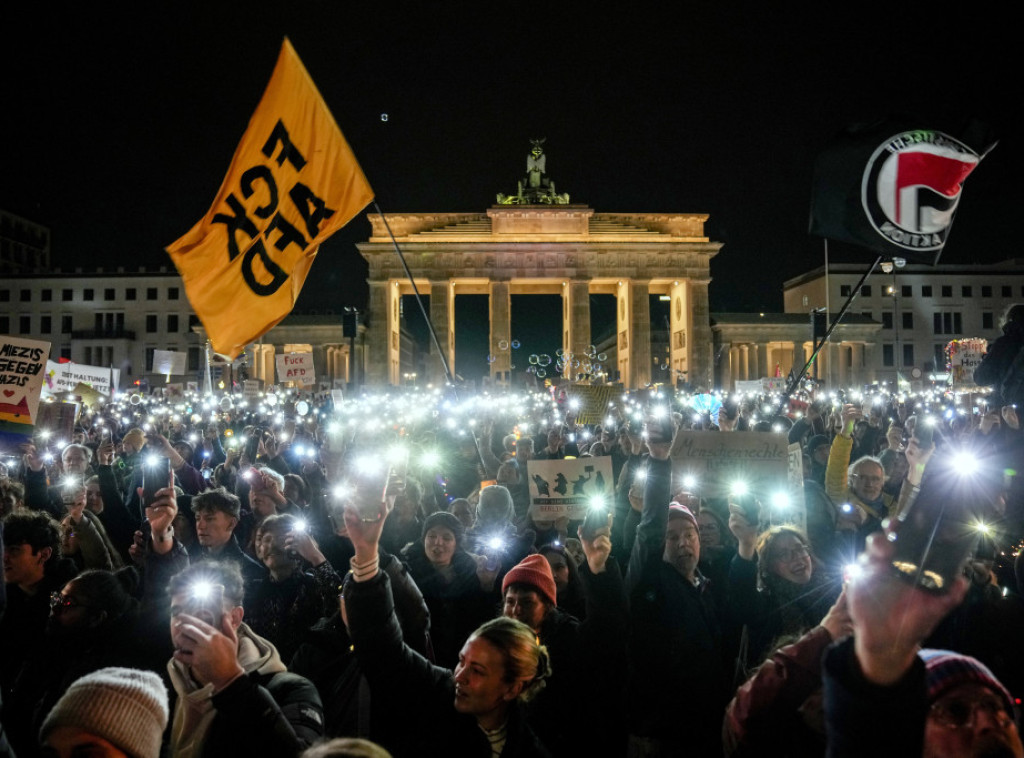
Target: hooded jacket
267,711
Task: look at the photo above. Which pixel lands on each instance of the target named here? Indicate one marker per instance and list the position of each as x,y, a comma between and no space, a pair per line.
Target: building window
67,295
845,290
65,353
865,291
5,296
151,323
88,355
868,314
887,356
908,354
65,324
987,321
947,323
940,357
966,291
1007,290
172,323
887,319
908,320
151,293
47,296
193,320
5,324
926,290
88,294
907,291
45,324
193,359
25,324
129,294
108,294
26,296
149,358
947,290
986,290
172,293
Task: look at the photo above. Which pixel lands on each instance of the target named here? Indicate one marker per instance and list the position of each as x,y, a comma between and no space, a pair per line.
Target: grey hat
126,707
495,504
447,521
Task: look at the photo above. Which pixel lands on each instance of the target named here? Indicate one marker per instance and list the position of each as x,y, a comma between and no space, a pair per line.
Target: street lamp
891,267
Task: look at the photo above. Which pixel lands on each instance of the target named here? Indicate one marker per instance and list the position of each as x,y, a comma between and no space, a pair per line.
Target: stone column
378,334
680,326
728,366
501,331
764,370
576,323
745,362
701,357
442,304
634,334
857,363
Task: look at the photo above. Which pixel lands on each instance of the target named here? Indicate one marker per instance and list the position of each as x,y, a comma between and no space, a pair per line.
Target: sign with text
764,462
564,488
22,364
964,357
251,389
64,377
296,367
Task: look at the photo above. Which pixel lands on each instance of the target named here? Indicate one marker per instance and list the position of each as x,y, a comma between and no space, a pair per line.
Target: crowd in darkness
283,577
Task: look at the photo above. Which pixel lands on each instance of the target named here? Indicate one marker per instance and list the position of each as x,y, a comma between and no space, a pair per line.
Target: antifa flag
292,183
892,190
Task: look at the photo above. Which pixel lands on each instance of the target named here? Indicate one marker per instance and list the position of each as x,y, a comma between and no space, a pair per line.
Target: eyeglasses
60,603
958,711
787,556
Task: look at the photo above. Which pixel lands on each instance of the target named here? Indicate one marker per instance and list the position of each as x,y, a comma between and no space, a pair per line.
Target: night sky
119,121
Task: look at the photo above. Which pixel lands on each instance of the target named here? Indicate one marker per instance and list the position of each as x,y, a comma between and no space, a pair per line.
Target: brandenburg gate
536,243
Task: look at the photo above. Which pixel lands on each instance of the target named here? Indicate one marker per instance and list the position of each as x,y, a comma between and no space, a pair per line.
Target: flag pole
846,306
416,293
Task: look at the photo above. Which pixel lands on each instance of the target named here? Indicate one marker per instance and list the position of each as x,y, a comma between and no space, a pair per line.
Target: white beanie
126,707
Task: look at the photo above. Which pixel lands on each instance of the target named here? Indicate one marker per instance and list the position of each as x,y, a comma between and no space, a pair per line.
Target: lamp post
891,267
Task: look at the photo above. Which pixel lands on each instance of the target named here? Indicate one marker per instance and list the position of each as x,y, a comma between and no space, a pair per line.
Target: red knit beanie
535,571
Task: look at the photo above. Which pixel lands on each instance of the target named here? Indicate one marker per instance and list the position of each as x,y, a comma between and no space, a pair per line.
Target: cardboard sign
58,418
964,357
251,389
565,487
296,367
22,364
766,463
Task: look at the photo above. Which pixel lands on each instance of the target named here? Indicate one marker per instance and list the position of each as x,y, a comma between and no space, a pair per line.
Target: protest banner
749,387
964,357
296,367
765,463
22,363
169,362
174,391
565,488
64,377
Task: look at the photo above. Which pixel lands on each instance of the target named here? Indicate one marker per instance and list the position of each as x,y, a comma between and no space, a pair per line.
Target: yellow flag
292,183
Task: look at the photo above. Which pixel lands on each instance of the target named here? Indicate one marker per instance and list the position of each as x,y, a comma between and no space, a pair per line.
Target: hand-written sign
964,357
766,463
566,487
22,363
296,367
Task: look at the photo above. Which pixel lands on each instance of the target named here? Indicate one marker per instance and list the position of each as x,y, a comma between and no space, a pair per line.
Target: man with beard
884,696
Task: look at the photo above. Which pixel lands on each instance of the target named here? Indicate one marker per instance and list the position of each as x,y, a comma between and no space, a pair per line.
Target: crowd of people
209,577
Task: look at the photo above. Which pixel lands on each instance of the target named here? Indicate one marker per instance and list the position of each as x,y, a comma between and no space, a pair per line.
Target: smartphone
745,506
70,491
252,445
289,429
206,602
924,434
938,531
595,520
155,476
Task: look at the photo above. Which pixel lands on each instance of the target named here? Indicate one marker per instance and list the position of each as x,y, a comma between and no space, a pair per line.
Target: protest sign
296,367
964,357
64,377
564,488
168,362
21,380
251,389
765,463
57,418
